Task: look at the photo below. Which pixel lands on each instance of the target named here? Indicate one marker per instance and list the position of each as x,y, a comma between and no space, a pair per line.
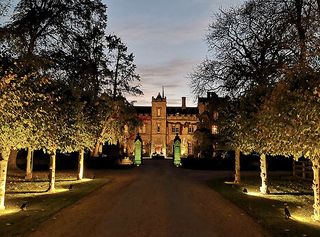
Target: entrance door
158,149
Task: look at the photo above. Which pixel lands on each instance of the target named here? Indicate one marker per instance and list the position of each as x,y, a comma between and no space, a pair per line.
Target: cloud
174,33
171,75
167,69
167,38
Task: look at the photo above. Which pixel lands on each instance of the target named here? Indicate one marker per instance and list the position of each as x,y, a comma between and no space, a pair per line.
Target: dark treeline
264,55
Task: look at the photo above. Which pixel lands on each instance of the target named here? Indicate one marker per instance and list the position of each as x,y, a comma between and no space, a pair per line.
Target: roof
202,99
180,110
170,110
159,97
143,109
211,96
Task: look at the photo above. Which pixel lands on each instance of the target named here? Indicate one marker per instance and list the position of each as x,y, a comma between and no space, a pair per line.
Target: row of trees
62,81
265,56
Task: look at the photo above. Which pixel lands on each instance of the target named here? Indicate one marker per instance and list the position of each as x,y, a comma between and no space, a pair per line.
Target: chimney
183,106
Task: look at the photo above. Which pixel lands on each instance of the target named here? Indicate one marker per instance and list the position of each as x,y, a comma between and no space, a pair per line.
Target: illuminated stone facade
161,123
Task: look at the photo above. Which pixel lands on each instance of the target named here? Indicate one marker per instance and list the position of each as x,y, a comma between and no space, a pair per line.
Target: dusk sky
167,39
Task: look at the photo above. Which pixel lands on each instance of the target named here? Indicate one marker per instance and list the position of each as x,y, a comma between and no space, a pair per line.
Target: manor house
161,123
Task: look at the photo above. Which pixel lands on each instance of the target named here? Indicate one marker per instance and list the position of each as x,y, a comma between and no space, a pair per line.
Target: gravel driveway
155,199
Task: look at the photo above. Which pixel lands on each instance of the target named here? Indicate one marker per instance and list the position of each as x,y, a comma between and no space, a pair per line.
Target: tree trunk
263,174
294,174
299,5
303,170
3,175
80,164
316,188
52,171
29,167
115,83
237,176
12,164
95,152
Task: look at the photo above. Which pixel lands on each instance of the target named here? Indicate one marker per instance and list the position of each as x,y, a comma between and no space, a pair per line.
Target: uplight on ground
9,211
305,219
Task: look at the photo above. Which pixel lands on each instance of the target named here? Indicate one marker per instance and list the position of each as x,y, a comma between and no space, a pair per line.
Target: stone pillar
177,151
138,150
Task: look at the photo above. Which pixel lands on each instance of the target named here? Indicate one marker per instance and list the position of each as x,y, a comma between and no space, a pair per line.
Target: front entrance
158,149
158,154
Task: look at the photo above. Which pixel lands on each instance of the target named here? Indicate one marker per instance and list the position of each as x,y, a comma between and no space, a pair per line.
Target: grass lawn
268,210
41,205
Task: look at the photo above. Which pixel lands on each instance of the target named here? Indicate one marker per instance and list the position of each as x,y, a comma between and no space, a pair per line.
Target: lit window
190,129
126,129
142,129
190,148
215,115
158,128
214,129
175,128
159,112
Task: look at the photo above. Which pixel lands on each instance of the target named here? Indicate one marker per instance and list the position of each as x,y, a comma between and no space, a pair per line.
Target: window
158,128
142,129
214,129
158,112
126,128
190,129
215,115
175,128
190,148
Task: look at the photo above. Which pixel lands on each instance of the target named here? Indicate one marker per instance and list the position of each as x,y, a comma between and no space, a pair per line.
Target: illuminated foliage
23,108
54,65
265,56
114,115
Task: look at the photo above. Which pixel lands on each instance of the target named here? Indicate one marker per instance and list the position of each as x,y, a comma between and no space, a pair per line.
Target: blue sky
167,38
